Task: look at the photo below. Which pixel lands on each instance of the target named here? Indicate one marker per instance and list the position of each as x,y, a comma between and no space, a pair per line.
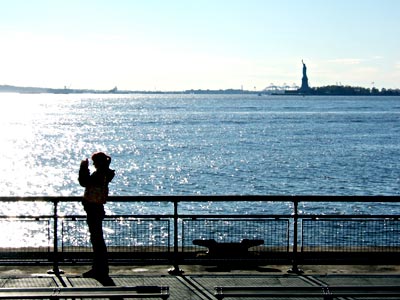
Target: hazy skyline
215,44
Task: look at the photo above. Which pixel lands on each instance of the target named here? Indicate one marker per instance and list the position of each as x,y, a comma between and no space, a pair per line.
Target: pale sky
198,44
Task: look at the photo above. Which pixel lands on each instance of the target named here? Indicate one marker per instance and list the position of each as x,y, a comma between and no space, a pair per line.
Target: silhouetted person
95,196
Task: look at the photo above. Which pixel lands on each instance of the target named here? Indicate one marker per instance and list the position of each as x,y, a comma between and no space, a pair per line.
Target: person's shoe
106,281
102,278
89,274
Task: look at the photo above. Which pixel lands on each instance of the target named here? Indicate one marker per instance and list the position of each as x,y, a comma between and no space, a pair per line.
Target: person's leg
95,216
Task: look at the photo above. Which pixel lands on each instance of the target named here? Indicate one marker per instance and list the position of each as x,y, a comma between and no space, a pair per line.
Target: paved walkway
198,282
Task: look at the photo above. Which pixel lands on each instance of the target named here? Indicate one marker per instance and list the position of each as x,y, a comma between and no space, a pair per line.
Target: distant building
113,91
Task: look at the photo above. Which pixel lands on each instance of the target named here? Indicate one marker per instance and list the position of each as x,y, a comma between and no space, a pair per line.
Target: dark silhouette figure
304,80
95,196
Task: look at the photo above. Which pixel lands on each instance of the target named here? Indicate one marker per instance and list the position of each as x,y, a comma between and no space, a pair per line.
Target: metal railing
179,236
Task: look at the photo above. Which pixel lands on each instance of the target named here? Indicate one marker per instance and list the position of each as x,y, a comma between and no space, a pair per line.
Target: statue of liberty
304,80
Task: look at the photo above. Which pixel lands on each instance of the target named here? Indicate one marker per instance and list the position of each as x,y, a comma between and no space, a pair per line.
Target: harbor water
175,144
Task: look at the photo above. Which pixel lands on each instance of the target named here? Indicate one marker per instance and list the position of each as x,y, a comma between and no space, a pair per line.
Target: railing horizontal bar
120,216
192,216
312,216
234,216
26,217
212,198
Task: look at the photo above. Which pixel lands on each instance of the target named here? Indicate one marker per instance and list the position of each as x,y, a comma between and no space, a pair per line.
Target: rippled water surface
202,144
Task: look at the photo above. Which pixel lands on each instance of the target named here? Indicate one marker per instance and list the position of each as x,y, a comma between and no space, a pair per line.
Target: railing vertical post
295,268
56,270
175,270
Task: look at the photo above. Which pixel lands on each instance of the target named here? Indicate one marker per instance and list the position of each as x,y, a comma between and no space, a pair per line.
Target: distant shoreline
319,91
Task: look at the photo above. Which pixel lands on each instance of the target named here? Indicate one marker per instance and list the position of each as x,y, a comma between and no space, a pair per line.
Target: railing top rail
214,198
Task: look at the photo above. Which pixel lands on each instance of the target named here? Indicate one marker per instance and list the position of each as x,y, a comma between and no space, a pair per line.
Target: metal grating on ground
177,289
209,282
360,280
82,282
201,287
28,281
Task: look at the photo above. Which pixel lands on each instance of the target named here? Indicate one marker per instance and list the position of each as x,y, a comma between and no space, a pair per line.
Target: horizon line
116,90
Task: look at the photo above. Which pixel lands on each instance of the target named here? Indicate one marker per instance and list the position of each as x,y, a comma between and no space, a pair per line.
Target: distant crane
272,88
